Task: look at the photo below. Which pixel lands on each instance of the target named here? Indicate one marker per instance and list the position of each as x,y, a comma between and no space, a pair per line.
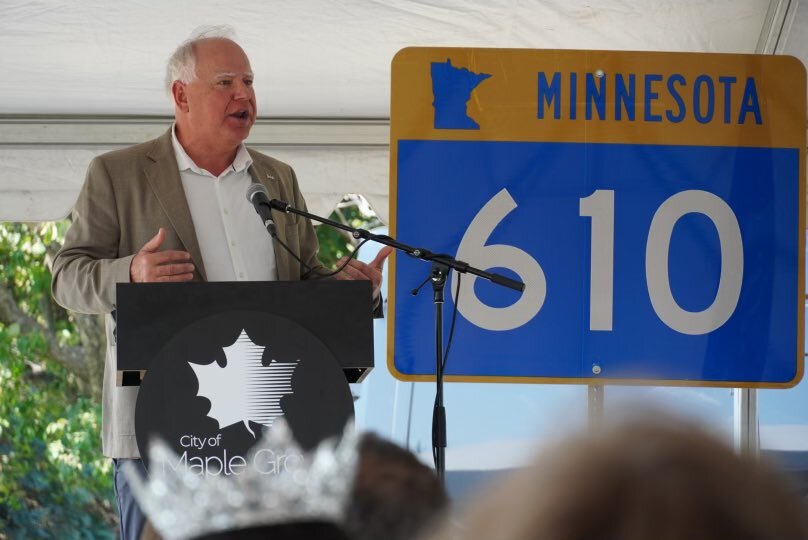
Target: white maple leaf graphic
244,390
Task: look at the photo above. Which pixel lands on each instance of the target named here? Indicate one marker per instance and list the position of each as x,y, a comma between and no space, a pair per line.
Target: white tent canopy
84,78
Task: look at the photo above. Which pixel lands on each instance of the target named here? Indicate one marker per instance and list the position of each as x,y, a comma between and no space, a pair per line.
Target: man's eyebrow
231,74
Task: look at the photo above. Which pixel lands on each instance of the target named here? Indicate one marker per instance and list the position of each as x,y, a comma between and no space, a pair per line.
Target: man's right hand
152,265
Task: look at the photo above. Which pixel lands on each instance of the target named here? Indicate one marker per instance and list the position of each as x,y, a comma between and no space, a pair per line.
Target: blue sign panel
571,202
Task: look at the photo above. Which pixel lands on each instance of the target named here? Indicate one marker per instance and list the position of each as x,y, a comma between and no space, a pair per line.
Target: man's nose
241,90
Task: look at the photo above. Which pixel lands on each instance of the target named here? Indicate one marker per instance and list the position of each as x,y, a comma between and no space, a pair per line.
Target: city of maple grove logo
245,389
216,384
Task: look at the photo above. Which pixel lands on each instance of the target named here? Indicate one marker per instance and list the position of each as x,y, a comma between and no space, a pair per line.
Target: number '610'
600,208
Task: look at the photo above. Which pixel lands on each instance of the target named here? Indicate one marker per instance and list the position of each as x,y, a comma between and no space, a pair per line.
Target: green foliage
52,474
23,248
22,251
54,481
353,211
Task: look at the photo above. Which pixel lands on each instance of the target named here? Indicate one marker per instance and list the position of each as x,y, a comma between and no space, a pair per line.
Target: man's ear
178,92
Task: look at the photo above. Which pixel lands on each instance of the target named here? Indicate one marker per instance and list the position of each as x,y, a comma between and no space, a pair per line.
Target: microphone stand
441,264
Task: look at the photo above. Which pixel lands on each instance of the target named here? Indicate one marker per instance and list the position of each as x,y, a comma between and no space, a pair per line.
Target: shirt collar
184,162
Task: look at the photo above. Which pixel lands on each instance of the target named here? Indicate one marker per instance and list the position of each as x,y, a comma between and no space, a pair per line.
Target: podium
218,362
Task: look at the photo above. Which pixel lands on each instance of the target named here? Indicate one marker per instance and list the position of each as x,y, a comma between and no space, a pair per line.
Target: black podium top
338,313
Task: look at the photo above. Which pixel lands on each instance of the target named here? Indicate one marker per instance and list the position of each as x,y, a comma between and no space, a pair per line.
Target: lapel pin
270,176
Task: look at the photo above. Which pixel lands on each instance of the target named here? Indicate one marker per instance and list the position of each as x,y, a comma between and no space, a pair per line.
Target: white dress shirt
235,245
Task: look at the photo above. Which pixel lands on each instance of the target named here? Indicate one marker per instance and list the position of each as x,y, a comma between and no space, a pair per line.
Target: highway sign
653,204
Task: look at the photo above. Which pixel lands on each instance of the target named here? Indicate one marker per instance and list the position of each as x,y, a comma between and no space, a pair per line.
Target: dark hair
394,494
304,530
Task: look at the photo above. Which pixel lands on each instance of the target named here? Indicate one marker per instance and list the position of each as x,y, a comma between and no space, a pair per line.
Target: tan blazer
127,196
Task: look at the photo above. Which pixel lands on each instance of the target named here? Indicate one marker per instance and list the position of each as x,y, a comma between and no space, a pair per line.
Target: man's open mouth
241,115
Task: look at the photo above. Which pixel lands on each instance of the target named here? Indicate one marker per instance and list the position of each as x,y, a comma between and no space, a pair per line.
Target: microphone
258,196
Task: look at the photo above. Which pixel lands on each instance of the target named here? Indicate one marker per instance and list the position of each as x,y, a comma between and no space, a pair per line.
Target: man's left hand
373,271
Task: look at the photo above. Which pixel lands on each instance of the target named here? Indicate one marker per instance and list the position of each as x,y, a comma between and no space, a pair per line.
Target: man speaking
174,209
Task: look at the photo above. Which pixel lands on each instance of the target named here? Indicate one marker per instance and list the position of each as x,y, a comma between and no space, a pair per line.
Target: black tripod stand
440,266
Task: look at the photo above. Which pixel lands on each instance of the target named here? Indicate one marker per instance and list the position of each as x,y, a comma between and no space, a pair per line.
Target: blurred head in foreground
282,531
303,530
394,495
640,480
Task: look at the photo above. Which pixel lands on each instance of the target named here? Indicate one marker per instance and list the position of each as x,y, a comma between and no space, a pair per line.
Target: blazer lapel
164,179
268,176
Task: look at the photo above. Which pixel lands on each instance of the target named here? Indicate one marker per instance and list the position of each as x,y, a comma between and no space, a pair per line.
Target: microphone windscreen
254,189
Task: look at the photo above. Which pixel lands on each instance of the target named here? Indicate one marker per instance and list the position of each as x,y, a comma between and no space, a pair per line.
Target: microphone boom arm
420,253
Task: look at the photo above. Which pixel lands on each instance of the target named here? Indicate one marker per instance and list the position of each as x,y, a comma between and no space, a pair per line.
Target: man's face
220,101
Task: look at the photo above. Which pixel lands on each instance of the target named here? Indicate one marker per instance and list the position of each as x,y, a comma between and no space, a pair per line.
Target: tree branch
72,358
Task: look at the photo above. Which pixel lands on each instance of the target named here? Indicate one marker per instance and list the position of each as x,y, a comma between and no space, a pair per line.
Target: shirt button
226,211
241,274
232,242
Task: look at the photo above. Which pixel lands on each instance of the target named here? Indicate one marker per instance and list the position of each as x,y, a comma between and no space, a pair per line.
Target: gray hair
182,63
